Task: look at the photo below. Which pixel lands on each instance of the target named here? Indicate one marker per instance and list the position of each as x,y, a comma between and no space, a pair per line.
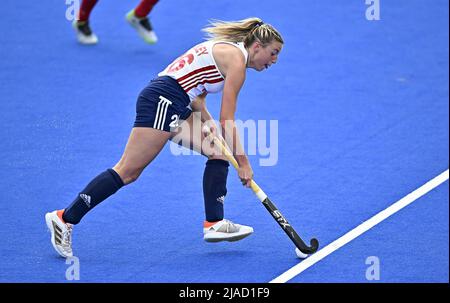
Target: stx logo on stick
279,217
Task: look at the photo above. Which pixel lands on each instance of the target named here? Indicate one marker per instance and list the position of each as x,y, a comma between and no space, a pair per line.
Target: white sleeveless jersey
197,72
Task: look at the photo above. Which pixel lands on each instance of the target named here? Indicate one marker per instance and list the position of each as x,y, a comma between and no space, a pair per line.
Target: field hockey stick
269,205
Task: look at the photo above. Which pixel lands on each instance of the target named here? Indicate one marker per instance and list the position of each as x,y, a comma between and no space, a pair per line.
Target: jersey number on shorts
175,119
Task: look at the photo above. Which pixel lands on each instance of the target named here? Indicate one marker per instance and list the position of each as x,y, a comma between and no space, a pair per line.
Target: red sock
85,9
144,8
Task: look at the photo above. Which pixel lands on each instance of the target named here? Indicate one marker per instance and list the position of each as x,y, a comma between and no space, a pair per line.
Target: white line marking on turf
362,228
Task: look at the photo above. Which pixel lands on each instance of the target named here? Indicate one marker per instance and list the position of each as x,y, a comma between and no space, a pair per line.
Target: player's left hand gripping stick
302,250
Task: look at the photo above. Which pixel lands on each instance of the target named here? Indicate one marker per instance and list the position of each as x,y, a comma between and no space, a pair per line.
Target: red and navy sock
85,9
215,188
144,8
100,188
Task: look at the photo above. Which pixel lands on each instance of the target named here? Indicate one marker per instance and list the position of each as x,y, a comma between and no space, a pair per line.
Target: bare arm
235,77
199,105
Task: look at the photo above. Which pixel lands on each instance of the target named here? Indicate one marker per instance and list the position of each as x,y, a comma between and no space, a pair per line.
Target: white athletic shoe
61,233
143,27
84,32
225,230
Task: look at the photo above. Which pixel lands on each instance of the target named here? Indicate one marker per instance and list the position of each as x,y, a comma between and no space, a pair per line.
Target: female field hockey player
164,112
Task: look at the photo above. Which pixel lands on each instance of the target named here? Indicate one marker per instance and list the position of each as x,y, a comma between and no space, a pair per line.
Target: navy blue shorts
162,105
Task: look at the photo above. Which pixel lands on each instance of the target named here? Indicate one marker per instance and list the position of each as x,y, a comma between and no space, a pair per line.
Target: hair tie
259,24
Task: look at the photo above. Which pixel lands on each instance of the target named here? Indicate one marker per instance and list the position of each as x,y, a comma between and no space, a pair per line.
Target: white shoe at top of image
142,26
61,234
84,33
225,230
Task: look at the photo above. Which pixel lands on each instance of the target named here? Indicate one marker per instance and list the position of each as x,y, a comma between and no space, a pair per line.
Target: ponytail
247,30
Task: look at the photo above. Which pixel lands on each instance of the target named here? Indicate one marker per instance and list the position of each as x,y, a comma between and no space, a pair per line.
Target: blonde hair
247,30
